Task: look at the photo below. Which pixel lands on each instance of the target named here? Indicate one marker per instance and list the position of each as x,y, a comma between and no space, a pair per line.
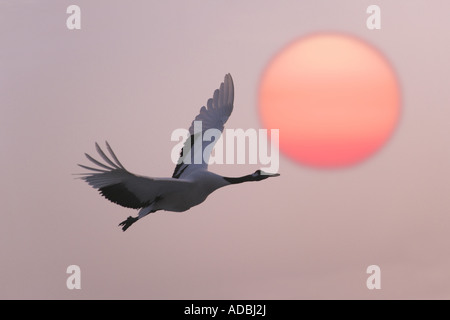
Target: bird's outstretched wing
214,116
120,186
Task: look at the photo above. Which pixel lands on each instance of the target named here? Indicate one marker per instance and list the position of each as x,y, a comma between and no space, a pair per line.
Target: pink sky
132,75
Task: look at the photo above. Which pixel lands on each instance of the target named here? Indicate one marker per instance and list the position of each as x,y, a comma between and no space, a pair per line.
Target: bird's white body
191,182
199,185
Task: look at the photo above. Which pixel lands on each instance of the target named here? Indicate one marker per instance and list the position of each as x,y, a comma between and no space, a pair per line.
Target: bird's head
259,175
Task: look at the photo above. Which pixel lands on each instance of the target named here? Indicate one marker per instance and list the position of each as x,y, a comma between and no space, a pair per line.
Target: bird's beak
270,174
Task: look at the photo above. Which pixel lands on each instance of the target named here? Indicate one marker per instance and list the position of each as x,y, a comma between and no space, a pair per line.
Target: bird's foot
127,223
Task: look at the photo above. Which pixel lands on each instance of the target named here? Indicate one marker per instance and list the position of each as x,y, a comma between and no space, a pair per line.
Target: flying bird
191,182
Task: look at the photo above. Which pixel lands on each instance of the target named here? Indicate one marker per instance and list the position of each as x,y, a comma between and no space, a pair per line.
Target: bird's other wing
214,116
122,187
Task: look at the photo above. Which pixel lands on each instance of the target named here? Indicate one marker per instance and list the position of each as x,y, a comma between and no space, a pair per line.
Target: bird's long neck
246,178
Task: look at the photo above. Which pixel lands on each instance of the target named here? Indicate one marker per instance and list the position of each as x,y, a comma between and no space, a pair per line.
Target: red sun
334,98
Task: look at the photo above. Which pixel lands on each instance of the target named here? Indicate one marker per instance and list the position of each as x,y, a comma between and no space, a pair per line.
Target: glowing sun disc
334,98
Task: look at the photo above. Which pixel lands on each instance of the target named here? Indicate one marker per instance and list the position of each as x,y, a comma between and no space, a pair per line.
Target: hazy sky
132,75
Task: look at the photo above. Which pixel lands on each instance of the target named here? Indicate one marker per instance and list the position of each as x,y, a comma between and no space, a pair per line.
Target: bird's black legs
127,223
